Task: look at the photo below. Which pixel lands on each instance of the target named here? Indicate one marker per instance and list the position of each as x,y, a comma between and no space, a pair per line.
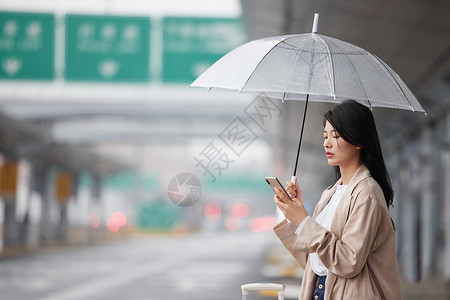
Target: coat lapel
343,209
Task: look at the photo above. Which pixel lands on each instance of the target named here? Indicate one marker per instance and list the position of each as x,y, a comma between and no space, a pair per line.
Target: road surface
196,266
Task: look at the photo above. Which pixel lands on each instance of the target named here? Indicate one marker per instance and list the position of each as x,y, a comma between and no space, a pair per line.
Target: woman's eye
338,136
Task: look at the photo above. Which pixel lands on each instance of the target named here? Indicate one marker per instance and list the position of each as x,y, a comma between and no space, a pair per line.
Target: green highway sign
131,181
27,46
191,45
107,48
158,215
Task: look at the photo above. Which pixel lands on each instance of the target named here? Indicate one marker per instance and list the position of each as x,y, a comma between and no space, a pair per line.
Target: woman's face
339,152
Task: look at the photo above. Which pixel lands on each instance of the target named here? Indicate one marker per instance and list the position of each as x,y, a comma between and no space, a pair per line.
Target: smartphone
274,182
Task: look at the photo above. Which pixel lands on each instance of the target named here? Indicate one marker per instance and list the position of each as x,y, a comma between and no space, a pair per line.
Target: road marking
123,276
211,275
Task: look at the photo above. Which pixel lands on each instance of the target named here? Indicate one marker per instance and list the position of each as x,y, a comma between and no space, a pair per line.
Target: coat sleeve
345,256
286,233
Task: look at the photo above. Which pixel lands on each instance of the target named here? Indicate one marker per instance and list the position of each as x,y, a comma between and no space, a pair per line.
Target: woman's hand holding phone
293,209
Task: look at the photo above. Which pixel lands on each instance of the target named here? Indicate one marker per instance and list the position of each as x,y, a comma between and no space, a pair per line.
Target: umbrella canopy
309,67
327,69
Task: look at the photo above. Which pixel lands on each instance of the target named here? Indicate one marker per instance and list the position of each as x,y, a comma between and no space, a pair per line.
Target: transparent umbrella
309,67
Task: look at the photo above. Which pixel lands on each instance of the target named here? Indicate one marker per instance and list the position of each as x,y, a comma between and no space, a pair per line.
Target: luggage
261,286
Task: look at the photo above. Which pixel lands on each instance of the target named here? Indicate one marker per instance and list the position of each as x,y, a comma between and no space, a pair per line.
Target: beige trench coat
359,249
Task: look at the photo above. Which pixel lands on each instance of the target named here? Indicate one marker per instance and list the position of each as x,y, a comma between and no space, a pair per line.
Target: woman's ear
359,147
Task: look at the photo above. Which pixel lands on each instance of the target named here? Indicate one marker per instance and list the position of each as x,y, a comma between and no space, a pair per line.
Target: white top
324,218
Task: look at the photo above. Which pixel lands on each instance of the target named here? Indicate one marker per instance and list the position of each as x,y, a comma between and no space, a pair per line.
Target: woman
347,247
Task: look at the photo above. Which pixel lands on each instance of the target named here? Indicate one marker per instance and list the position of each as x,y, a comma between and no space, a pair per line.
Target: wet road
198,266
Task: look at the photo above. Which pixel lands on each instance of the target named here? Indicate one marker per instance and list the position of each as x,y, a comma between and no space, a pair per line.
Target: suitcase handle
263,286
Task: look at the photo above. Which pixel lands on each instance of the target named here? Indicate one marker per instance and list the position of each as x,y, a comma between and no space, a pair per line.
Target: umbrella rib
359,80
356,72
297,54
311,70
246,81
393,77
296,50
331,65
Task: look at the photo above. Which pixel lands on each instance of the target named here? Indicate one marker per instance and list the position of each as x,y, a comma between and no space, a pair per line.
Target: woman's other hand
294,190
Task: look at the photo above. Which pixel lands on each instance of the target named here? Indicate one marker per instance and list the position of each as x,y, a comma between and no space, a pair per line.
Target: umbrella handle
293,178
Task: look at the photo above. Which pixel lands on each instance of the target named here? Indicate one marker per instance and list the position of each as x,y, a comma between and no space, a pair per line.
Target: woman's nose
326,143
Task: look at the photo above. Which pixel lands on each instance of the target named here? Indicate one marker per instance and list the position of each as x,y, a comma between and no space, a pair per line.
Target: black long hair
354,122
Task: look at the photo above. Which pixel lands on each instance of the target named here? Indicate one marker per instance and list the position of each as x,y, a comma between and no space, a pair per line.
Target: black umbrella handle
301,135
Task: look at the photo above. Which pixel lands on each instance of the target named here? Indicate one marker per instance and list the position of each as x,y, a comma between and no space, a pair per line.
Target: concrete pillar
23,202
446,198
9,193
394,165
34,219
45,185
410,221
96,196
10,224
429,199
403,203
62,230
